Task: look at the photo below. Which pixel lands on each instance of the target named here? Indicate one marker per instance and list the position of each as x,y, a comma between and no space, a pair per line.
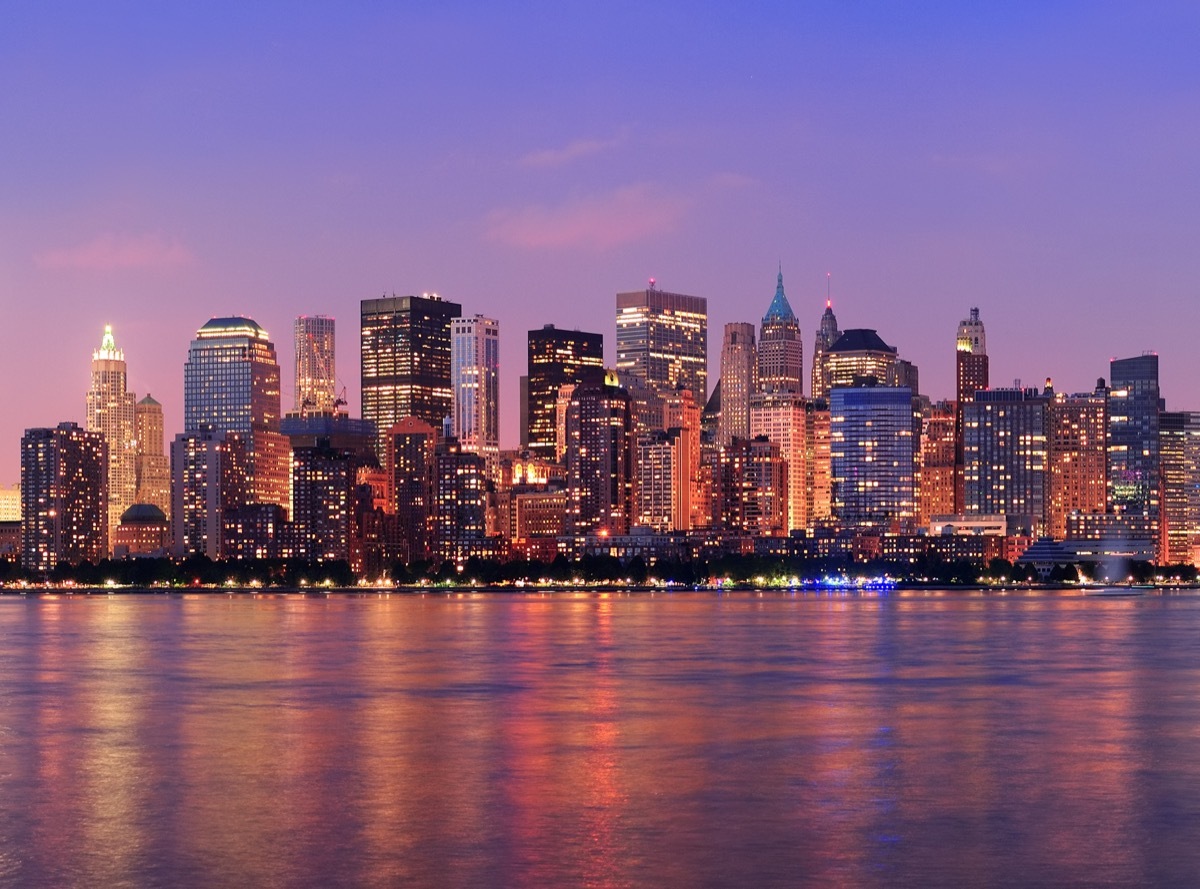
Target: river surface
773,739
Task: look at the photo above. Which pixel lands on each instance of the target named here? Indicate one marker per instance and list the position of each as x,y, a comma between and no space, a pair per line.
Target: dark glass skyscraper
556,358
1134,406
405,352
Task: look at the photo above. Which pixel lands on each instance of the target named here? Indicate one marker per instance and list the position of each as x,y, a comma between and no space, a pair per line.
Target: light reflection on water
533,740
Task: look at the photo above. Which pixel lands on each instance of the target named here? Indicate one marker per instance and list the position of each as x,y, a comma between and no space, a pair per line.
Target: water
578,740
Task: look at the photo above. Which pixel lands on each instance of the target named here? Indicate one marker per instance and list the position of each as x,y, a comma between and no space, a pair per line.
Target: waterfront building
937,464
971,375
409,465
209,476
872,455
1179,453
231,385
111,412
662,338
64,497
406,359
1077,457
827,335
666,479
475,383
1134,406
739,380
1005,455
10,503
600,455
152,466
818,482
780,346
316,370
144,530
556,358
324,483
458,490
779,415
750,494
256,531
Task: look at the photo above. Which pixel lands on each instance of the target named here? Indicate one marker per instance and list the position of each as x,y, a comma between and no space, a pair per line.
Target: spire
780,309
108,350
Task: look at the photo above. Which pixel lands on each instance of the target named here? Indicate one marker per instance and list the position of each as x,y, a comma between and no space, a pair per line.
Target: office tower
827,335
10,504
936,485
682,412
600,455
209,477
1179,453
405,343
1077,457
475,383
152,466
459,503
818,502
739,380
872,455
409,465
556,358
860,356
1005,456
316,374
1133,462
324,479
663,339
111,412
750,488
971,375
779,416
231,385
64,497
780,346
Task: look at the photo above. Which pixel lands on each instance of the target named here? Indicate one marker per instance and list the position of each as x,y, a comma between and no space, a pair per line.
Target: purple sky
163,165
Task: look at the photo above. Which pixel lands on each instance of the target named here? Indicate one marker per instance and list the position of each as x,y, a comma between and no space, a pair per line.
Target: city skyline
174,166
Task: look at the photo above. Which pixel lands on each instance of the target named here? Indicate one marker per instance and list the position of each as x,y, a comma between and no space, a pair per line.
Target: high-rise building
1077,457
405,342
818,502
827,335
409,465
459,503
663,339
779,416
475,382
860,356
316,371
152,465
872,455
64,497
739,380
936,487
1179,452
1134,405
750,492
209,478
231,385
600,455
971,375
111,412
556,358
1006,450
780,346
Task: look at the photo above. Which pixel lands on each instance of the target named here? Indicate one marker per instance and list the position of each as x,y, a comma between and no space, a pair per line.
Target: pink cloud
117,252
631,213
557,157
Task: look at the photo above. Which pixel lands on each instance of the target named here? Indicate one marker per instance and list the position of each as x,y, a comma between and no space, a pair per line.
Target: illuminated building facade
1134,406
780,346
405,355
600,458
151,464
409,466
1077,457
1179,453
111,412
937,472
749,491
1005,442
556,358
971,375
231,385
144,530
818,494
780,417
662,338
316,368
858,356
64,499
458,488
475,383
872,455
209,476
739,380
827,335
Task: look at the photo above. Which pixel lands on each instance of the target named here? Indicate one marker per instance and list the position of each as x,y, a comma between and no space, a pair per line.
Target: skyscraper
780,346
872,455
936,488
780,416
739,380
209,478
64,497
827,335
557,357
152,466
405,352
663,339
600,455
1077,457
475,382
1133,460
409,464
860,355
111,412
231,386
316,374
971,375
1006,450
1179,452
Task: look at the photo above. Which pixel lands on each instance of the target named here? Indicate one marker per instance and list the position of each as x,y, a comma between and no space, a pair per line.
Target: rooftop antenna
828,299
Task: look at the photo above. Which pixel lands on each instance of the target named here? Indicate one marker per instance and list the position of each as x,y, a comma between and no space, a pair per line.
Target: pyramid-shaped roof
780,309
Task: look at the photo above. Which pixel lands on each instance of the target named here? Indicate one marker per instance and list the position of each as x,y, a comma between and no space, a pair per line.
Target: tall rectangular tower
316,373
556,358
1134,406
663,339
64,497
872,455
971,375
111,412
405,354
152,466
739,380
1005,444
475,382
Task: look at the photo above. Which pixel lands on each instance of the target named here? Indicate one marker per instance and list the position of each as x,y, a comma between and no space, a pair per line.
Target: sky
161,164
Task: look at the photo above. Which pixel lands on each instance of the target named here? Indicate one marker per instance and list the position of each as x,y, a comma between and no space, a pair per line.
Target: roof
713,406
780,310
860,339
143,514
149,400
232,326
